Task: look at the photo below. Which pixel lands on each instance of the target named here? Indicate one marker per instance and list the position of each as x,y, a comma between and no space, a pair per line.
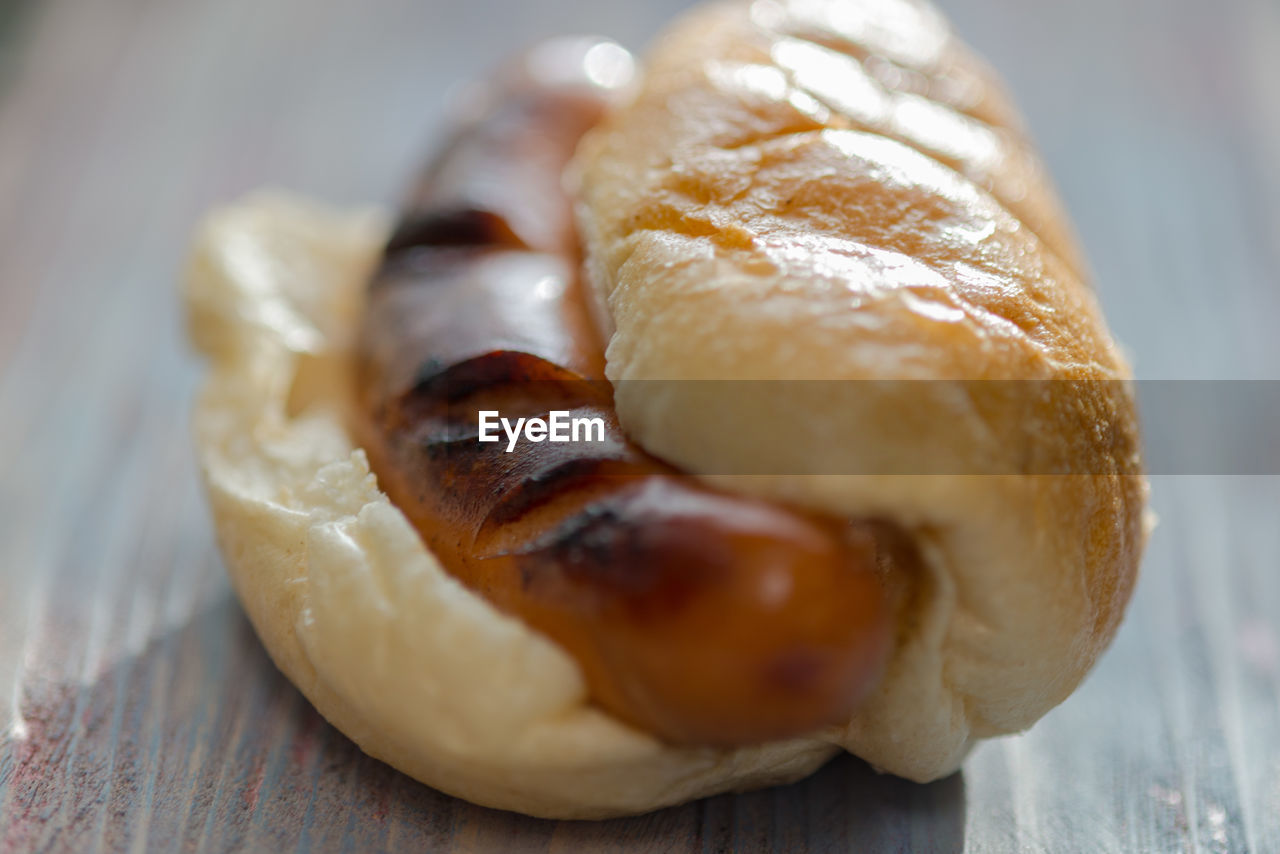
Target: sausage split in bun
858,466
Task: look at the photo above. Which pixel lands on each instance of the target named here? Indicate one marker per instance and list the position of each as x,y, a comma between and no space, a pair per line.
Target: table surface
137,709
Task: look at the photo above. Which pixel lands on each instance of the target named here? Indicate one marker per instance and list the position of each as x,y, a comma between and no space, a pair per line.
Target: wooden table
137,709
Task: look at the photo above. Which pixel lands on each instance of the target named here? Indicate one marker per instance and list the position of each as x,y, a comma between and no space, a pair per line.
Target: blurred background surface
137,710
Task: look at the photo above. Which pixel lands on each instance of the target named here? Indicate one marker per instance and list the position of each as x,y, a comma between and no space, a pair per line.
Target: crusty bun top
832,272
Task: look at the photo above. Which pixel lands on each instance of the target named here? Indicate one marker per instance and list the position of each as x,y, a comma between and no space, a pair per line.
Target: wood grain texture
137,710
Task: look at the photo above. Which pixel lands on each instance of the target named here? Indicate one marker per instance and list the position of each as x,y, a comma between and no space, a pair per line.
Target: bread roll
906,329
740,223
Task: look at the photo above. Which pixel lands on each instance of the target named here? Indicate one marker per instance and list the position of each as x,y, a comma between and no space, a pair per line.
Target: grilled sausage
701,617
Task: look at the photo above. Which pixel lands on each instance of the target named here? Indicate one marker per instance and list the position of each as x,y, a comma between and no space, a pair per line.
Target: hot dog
699,616
802,195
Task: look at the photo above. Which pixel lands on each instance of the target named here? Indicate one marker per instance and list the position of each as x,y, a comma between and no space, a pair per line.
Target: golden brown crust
738,225
739,74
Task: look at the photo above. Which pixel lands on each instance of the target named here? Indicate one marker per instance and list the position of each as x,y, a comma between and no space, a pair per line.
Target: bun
881,314
710,242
